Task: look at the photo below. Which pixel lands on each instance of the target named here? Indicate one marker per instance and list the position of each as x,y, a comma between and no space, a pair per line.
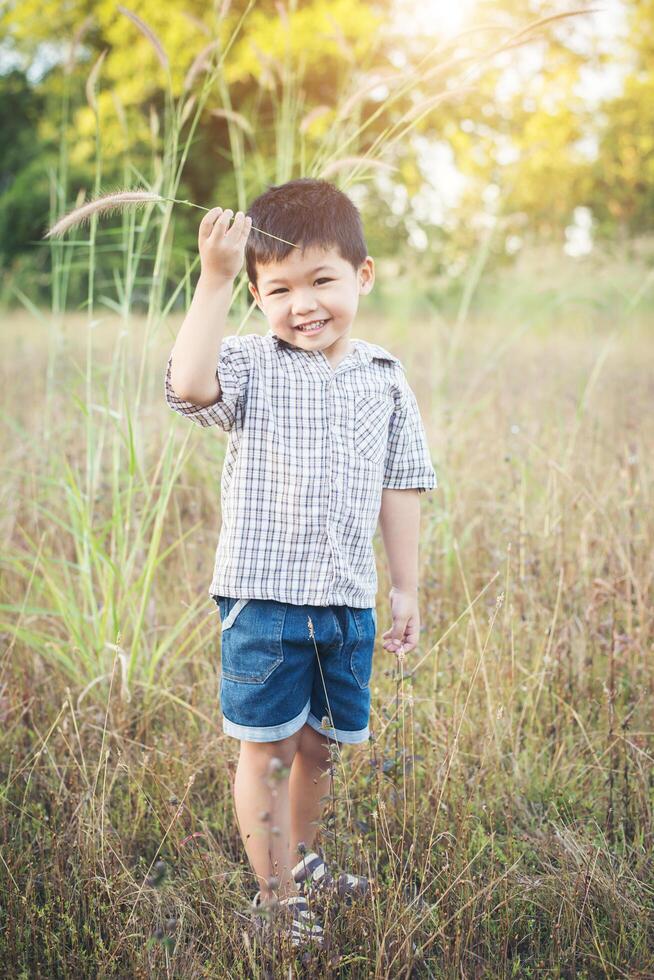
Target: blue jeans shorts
272,682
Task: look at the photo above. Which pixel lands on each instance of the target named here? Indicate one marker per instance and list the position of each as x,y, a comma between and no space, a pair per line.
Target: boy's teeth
314,326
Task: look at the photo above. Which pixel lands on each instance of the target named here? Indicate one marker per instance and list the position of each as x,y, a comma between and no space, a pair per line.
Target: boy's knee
317,747
283,749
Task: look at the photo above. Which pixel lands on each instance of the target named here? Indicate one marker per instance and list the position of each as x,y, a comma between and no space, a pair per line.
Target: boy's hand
222,248
403,634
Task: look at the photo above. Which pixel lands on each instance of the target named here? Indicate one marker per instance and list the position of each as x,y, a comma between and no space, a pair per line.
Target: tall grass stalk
99,580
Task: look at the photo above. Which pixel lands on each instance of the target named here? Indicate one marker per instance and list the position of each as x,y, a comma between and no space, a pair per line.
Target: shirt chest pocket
371,417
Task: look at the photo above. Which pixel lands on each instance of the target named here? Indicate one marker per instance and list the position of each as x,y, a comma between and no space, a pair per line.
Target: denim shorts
272,682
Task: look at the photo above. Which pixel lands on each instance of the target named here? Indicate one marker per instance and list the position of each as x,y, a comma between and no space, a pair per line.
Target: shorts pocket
371,417
232,609
251,638
361,656
229,609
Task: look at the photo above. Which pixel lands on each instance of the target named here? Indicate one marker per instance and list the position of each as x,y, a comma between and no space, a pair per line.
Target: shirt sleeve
232,374
408,464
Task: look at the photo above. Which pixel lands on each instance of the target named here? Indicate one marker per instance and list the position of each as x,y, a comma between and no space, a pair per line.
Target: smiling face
316,284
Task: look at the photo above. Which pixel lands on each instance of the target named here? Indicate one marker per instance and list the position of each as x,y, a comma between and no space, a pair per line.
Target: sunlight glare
436,18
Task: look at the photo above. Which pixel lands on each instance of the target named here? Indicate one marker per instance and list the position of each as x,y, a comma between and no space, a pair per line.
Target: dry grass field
504,803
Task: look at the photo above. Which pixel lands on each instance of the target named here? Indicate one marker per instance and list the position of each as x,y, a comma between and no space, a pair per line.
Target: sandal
314,878
300,923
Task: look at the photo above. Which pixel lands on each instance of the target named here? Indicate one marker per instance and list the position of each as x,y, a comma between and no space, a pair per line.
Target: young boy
325,439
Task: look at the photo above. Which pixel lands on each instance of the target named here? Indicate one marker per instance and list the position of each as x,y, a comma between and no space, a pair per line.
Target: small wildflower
310,625
156,877
273,883
302,848
196,835
277,771
325,722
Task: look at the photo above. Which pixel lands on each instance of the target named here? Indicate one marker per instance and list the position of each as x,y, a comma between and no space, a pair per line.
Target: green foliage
623,175
21,106
522,127
23,183
25,206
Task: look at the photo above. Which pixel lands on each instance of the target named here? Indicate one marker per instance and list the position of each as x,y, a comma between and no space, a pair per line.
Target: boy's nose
303,300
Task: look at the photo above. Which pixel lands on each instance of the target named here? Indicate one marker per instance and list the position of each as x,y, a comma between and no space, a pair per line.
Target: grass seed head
101,205
150,35
200,63
235,117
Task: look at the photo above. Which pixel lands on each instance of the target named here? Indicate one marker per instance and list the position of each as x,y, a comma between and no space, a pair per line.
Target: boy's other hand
221,247
403,634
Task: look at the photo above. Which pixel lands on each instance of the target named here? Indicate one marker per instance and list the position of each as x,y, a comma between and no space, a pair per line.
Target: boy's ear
366,275
255,295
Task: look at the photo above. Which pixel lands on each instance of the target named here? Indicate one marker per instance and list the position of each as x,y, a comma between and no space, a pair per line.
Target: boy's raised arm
195,353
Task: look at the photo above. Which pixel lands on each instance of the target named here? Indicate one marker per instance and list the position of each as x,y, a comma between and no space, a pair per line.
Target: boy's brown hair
307,212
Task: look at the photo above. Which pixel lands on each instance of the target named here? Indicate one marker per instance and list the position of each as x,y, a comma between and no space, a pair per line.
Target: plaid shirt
310,449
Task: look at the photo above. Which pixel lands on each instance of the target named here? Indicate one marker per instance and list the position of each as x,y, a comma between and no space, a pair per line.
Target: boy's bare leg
309,781
257,794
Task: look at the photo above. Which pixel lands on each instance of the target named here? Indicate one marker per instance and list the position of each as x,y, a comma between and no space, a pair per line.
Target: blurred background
544,147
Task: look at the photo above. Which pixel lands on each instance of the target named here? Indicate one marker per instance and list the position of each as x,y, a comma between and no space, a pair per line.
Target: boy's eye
281,288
